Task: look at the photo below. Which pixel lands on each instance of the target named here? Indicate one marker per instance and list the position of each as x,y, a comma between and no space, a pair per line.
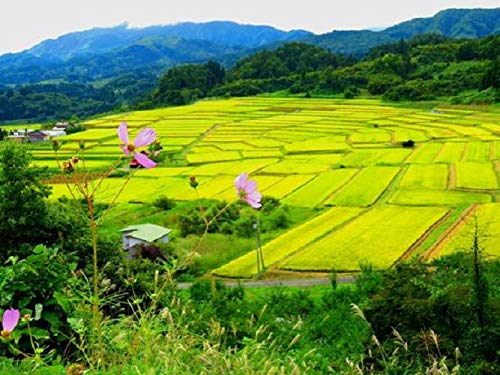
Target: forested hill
101,40
97,55
423,68
453,23
101,70
103,53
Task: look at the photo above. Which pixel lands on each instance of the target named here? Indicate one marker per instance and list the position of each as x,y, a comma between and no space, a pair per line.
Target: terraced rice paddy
376,200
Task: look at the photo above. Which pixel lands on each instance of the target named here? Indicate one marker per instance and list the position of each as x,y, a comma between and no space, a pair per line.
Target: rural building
54,133
62,125
37,136
143,234
22,132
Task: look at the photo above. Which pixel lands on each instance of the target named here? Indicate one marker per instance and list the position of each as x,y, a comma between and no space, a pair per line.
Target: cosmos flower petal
251,186
247,190
125,150
255,195
253,203
241,181
144,160
10,319
145,137
123,133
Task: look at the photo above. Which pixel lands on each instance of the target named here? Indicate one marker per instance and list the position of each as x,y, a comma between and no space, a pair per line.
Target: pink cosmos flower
247,190
9,321
145,137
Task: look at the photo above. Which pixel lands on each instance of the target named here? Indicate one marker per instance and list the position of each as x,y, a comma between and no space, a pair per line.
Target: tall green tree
23,211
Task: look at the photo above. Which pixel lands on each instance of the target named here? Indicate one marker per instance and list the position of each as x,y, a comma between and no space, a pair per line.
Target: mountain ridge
453,23
102,53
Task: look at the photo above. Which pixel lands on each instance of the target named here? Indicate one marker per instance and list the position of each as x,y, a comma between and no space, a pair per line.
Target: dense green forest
111,69
425,67
452,23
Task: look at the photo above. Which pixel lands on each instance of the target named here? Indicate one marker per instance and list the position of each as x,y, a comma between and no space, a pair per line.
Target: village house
142,234
62,125
54,133
21,132
36,136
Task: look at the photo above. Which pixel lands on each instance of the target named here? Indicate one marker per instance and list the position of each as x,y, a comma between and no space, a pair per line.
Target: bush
409,143
150,252
35,286
350,92
278,219
164,203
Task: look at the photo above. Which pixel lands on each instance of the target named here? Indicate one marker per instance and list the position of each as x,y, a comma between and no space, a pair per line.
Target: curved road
301,283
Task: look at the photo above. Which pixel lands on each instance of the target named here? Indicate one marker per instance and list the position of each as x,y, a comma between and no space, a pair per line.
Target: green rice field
376,201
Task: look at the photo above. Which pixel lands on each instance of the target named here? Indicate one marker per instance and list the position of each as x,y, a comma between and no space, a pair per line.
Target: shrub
409,143
150,252
350,92
35,286
164,203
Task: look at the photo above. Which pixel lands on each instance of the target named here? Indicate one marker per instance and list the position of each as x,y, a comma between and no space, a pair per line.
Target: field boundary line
452,177
428,232
278,264
439,152
444,237
391,189
463,157
491,151
341,187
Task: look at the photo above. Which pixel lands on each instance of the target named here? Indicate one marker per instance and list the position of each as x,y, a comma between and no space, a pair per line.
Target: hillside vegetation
452,23
415,317
424,68
103,70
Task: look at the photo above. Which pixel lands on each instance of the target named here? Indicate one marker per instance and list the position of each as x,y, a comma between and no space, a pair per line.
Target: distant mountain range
100,54
453,23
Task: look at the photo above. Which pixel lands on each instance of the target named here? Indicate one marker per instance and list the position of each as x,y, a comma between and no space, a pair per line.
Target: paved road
303,283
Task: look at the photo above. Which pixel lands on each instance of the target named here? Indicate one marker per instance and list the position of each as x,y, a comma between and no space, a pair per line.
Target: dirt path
414,247
446,235
301,283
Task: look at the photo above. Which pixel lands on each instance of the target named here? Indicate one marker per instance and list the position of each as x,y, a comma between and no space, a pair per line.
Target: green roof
146,232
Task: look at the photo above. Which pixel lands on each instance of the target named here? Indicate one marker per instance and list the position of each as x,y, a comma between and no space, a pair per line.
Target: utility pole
260,257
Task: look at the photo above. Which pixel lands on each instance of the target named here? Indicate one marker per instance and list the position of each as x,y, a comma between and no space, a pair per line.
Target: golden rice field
377,201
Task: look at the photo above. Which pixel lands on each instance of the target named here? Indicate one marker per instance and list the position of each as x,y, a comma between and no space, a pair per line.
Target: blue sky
24,23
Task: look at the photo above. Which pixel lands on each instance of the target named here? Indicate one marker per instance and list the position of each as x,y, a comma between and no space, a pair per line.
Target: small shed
143,234
63,125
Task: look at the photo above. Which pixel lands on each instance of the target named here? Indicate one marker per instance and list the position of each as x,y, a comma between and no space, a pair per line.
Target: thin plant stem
116,196
207,225
95,300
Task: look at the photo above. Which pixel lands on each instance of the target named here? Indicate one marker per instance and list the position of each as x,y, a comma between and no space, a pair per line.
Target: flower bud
5,333
75,160
81,144
192,182
68,166
55,145
26,317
